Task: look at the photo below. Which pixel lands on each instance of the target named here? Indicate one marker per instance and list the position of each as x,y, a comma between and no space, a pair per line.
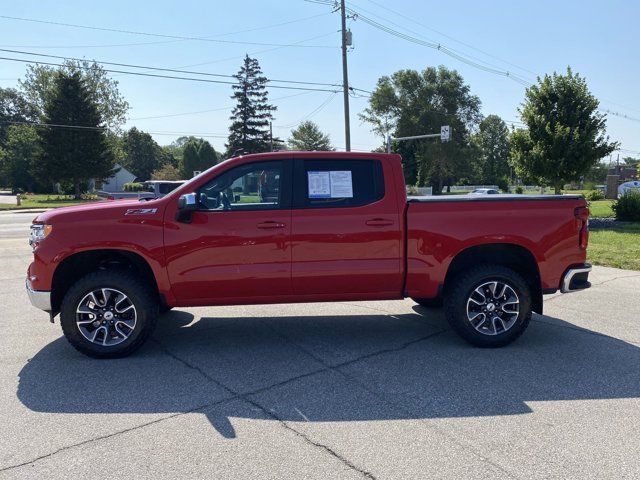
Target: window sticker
319,185
341,184
332,184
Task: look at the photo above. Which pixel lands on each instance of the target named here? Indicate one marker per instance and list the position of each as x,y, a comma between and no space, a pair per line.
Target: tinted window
165,188
254,186
338,183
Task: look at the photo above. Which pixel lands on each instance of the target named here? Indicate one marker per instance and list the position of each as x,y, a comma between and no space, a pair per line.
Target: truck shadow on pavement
331,369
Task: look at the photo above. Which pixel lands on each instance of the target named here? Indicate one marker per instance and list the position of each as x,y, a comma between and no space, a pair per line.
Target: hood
94,209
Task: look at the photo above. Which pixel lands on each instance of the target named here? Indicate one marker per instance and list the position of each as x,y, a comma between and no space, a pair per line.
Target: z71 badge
141,211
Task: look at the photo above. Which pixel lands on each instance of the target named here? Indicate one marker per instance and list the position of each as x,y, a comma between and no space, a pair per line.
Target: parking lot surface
344,390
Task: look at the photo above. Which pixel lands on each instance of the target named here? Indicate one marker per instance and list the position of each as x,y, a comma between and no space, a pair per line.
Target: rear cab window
337,183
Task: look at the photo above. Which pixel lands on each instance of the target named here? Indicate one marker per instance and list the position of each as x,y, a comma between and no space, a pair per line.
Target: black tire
164,309
429,302
139,294
462,287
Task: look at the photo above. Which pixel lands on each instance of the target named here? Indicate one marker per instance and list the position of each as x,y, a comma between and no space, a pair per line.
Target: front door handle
271,224
379,222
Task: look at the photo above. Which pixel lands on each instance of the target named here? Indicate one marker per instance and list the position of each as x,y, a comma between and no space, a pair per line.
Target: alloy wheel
493,307
106,317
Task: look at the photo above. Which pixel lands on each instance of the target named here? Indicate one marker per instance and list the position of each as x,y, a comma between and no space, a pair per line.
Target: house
626,173
115,182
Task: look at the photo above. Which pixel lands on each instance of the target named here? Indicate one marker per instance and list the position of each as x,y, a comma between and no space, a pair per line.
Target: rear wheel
108,314
488,305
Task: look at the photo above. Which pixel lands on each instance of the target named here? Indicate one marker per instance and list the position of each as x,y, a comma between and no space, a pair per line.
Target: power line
621,115
105,129
211,110
413,20
442,48
447,50
159,35
159,69
173,77
316,110
257,52
53,125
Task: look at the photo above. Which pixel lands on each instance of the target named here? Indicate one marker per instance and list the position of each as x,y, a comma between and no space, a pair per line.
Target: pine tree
73,154
249,130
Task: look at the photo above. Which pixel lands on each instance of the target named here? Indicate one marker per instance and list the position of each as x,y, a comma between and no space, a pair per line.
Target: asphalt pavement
344,390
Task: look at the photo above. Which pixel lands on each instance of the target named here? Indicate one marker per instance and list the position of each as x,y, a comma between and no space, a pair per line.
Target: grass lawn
44,201
601,208
616,247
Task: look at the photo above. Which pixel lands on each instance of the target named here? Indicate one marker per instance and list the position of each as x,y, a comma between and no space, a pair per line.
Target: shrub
519,190
627,207
594,195
133,187
503,184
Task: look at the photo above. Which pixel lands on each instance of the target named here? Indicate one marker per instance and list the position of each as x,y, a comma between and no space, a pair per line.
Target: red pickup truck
304,227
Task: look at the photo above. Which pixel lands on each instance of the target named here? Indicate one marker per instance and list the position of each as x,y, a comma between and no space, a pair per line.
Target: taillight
582,215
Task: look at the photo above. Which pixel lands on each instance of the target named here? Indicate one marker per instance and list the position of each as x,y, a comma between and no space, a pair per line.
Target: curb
26,210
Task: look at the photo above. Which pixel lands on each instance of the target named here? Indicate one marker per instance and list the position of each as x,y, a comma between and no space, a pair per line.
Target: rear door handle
379,222
270,224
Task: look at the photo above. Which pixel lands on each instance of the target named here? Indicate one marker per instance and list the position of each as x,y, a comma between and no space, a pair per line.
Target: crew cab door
236,248
346,235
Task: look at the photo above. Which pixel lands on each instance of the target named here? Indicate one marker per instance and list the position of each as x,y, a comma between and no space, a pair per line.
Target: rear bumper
576,278
39,299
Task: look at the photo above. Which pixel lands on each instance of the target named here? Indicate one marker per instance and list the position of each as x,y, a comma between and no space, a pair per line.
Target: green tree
308,136
249,130
492,142
166,172
39,84
190,160
207,156
73,154
565,134
20,155
142,155
414,103
14,109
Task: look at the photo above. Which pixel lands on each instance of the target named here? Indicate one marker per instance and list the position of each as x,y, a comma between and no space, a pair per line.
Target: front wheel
488,305
108,314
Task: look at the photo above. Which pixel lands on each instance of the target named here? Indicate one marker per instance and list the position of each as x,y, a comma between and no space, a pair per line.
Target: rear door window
337,183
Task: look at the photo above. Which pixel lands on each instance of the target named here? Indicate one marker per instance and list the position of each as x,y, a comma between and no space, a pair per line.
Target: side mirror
187,203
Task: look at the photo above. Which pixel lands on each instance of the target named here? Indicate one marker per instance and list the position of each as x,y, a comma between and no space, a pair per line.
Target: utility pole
345,78
271,136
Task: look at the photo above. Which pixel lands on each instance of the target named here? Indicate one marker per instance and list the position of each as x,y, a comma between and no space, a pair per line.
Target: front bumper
39,299
576,278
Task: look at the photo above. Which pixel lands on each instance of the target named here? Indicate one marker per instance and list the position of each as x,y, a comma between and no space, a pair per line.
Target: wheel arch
82,263
516,257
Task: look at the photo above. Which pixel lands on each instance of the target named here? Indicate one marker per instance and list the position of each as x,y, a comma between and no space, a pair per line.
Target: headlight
39,232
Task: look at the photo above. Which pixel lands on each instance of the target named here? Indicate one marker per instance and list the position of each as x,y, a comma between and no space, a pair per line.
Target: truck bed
489,198
439,228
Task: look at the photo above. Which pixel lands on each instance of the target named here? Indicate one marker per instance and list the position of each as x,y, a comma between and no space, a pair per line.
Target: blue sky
597,39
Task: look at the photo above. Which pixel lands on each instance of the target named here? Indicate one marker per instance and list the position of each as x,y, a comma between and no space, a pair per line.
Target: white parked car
485,191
